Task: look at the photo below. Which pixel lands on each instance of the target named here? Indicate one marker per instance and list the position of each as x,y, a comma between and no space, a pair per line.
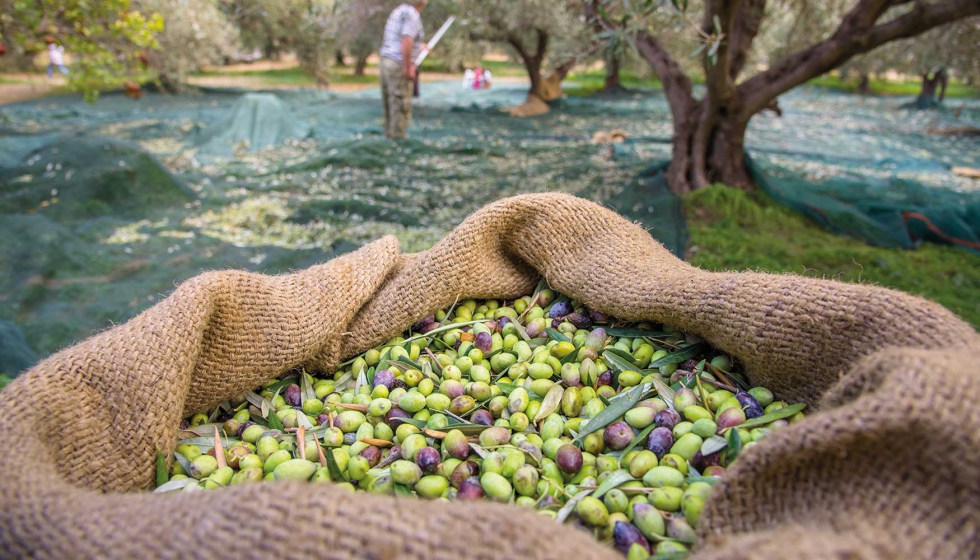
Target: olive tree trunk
709,133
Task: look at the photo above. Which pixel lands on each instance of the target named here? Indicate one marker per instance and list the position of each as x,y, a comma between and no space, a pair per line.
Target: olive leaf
427,371
275,423
175,485
285,381
305,386
449,313
343,380
303,421
163,474
361,381
550,402
409,361
185,463
420,424
635,333
506,388
609,414
704,396
203,429
335,473
479,450
259,402
567,509
520,331
571,356
622,354
681,355
402,490
614,479
555,335
666,393
706,479
445,328
616,362
713,444
467,429
636,441
734,446
784,412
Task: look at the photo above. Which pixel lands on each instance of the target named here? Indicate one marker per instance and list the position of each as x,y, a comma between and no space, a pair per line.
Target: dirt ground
23,87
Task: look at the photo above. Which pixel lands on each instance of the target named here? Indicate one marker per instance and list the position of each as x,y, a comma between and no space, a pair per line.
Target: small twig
301,440
219,451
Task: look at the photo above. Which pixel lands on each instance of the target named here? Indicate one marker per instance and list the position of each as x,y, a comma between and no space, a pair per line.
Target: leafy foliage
105,38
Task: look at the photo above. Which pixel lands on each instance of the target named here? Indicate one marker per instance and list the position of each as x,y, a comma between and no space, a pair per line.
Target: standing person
56,59
400,47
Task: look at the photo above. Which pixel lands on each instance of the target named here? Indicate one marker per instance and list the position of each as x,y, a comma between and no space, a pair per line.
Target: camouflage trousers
396,93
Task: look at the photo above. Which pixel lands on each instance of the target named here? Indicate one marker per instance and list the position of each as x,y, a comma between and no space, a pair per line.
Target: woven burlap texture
888,467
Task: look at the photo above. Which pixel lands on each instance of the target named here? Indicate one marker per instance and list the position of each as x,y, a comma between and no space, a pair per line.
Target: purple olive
452,388
580,320
560,309
470,489
502,322
483,342
425,324
482,416
464,470
598,316
605,378
569,458
323,419
702,462
243,427
617,435
689,365
292,395
427,459
751,406
667,418
384,377
399,384
625,535
372,454
660,441
393,417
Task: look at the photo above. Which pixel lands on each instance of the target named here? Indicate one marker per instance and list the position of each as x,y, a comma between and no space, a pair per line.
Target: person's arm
408,65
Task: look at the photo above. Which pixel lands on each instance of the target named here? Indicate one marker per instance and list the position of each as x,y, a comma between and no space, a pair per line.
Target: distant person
476,78
400,47
56,59
482,77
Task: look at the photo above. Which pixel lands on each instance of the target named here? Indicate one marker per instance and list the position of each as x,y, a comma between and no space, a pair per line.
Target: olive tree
536,30
709,132
106,38
196,33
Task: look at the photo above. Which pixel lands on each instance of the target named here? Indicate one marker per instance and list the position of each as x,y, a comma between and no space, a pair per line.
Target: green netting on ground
182,185
257,120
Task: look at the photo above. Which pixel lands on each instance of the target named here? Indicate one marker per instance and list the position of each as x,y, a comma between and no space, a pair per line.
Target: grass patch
734,230
593,81
885,87
296,76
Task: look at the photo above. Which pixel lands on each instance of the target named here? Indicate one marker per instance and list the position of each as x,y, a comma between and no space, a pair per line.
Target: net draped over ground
891,374
121,199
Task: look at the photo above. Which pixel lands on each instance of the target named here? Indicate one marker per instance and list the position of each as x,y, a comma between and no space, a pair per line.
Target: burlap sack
888,468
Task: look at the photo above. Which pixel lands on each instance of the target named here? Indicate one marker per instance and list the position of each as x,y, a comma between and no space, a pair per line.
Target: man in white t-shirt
56,59
400,48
